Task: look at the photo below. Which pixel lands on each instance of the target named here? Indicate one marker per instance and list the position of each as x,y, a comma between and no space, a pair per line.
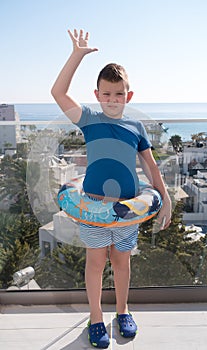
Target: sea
184,119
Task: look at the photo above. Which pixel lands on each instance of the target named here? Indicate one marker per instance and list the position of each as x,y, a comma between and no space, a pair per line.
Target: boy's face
113,97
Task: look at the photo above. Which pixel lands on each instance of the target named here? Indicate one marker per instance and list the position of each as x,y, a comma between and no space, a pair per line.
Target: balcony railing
34,232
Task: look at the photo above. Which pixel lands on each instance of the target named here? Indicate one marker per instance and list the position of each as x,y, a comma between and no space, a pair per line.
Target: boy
112,142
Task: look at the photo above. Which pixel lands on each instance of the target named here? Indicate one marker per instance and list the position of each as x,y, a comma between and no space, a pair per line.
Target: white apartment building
194,154
196,187
61,229
194,164
62,170
7,132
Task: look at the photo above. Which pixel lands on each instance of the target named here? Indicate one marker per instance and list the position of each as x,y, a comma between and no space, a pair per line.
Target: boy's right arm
59,91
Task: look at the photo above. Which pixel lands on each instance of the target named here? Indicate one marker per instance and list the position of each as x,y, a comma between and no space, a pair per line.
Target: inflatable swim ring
77,205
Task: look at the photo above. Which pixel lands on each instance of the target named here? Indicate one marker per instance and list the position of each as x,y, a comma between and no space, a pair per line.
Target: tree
23,150
201,136
65,268
167,257
19,245
19,256
176,142
13,183
7,145
32,127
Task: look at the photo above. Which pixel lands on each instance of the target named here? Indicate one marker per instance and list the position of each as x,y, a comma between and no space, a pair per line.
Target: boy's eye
117,94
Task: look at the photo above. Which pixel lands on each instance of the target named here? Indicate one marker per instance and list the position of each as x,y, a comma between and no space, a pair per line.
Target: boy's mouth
112,106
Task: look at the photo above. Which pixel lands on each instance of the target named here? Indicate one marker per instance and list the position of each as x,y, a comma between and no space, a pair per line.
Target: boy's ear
96,92
129,96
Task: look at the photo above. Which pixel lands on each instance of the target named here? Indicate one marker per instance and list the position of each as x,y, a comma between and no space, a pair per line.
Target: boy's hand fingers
163,223
75,33
72,36
81,35
80,41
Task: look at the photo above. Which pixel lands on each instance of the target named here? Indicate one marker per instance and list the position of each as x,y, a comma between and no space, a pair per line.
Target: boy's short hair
113,73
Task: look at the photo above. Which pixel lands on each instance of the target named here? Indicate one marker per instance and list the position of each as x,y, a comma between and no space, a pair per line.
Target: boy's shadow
116,336
82,342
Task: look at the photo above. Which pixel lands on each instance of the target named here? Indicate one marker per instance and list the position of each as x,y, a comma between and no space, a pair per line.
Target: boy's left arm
154,176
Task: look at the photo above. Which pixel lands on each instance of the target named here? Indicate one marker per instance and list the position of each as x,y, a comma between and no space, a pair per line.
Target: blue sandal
127,326
97,335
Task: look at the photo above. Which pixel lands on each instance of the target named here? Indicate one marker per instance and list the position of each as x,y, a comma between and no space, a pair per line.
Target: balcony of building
168,290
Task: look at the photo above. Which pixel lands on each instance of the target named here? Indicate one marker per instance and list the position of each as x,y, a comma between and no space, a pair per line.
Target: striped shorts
124,238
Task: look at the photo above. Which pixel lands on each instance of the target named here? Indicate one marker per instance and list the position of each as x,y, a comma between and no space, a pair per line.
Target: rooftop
63,327
167,317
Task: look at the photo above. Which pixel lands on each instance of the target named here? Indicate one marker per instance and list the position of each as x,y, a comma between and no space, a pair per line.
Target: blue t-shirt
112,145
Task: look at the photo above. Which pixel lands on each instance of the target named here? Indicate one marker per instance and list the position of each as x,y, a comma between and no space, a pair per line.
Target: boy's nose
112,99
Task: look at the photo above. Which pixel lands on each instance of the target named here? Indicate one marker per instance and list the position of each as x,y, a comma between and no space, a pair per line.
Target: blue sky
161,43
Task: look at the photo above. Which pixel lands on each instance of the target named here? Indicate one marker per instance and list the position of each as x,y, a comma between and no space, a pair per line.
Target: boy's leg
121,266
95,263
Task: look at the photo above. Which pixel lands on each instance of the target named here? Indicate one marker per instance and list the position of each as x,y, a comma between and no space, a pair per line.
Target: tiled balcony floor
63,327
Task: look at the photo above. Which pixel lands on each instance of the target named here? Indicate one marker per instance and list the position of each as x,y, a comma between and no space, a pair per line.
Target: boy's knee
96,266
96,262
120,259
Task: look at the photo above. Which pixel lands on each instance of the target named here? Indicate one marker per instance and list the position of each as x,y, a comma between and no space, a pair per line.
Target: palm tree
176,142
201,136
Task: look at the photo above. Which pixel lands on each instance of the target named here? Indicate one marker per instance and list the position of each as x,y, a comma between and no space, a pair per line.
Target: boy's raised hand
80,42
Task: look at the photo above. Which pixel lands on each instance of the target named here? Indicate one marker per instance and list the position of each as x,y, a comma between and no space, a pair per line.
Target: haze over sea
155,111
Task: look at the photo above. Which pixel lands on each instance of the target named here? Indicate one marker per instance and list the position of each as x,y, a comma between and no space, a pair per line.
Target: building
7,132
194,158
80,160
196,188
57,232
194,165
154,131
62,170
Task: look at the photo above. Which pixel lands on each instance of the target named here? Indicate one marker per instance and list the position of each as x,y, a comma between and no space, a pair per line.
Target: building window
46,248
